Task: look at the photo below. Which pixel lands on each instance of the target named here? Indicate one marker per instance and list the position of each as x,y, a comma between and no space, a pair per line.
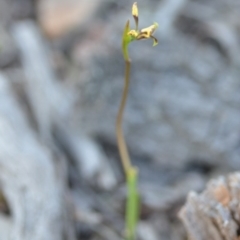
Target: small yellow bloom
135,10
149,30
135,14
145,33
133,33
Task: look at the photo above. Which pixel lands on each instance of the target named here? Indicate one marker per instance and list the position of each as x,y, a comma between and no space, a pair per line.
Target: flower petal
135,14
149,30
143,35
155,41
133,33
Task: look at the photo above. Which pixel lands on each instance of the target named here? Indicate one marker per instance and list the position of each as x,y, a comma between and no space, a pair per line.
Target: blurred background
61,78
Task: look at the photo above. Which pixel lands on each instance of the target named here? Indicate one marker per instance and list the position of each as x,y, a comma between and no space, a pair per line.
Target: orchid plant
132,205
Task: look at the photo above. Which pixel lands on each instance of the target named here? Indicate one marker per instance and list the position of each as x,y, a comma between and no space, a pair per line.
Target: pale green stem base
132,203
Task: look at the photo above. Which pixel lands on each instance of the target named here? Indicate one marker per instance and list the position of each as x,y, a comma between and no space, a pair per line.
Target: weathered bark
27,175
215,213
52,103
48,99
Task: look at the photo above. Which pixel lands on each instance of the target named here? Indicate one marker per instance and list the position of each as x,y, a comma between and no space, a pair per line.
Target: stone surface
57,18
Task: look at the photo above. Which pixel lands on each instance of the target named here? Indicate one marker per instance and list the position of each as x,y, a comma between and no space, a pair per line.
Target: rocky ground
61,77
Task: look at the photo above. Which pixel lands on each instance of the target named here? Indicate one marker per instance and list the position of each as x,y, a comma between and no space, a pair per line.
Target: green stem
132,206
126,162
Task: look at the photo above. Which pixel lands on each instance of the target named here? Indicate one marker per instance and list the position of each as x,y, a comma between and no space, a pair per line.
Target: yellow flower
135,10
135,14
145,33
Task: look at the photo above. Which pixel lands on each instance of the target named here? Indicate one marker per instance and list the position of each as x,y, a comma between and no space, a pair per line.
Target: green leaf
126,39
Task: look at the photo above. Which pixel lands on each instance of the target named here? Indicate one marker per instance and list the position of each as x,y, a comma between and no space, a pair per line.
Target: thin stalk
131,174
126,162
132,203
